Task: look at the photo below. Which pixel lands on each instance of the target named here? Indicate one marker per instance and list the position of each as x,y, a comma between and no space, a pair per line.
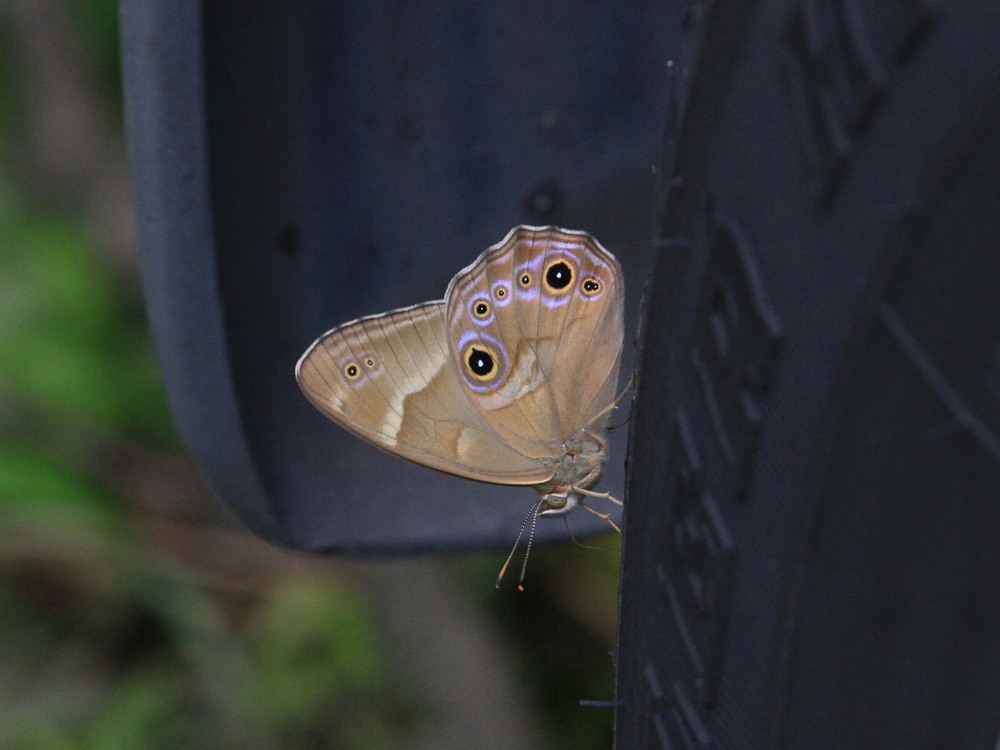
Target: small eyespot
369,363
525,280
558,276
480,309
591,287
480,361
351,371
499,294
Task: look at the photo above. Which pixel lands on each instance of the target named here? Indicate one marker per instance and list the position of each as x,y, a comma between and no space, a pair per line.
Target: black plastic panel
300,164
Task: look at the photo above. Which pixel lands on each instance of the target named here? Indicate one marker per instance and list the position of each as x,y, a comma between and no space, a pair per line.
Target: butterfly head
558,503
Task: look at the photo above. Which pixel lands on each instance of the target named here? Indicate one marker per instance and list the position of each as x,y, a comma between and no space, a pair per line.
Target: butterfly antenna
533,512
527,550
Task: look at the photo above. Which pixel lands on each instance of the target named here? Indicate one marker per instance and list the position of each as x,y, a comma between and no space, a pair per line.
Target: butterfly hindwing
536,331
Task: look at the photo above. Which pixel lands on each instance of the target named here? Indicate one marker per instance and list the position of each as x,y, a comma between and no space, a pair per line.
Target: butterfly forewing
390,380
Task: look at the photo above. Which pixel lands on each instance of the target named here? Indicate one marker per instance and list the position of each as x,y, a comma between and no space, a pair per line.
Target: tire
811,554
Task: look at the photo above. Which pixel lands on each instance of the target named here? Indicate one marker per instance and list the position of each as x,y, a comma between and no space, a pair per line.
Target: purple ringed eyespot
591,286
524,279
480,361
558,276
480,309
500,293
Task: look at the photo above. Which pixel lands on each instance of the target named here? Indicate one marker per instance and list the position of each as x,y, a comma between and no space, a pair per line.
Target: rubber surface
813,507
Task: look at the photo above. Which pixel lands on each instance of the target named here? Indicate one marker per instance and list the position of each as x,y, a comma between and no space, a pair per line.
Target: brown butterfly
510,379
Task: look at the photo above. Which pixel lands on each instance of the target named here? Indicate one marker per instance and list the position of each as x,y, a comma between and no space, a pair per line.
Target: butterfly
510,379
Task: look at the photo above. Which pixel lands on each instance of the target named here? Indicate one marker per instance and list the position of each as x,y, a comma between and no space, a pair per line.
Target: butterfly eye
591,287
555,501
480,310
558,276
351,370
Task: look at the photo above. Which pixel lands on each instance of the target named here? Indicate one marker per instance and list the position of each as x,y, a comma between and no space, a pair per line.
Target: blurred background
134,612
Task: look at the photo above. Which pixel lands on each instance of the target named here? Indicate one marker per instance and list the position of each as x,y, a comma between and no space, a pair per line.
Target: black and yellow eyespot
481,309
591,286
559,276
524,280
352,371
481,361
501,293
370,363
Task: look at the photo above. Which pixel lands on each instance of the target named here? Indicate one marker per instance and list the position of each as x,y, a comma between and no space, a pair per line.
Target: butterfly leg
602,495
605,516
614,404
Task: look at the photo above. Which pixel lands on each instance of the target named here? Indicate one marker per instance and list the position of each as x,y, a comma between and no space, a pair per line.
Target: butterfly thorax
578,468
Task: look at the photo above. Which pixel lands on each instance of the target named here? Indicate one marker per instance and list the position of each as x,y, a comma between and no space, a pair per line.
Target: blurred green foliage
73,348
104,641
108,638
